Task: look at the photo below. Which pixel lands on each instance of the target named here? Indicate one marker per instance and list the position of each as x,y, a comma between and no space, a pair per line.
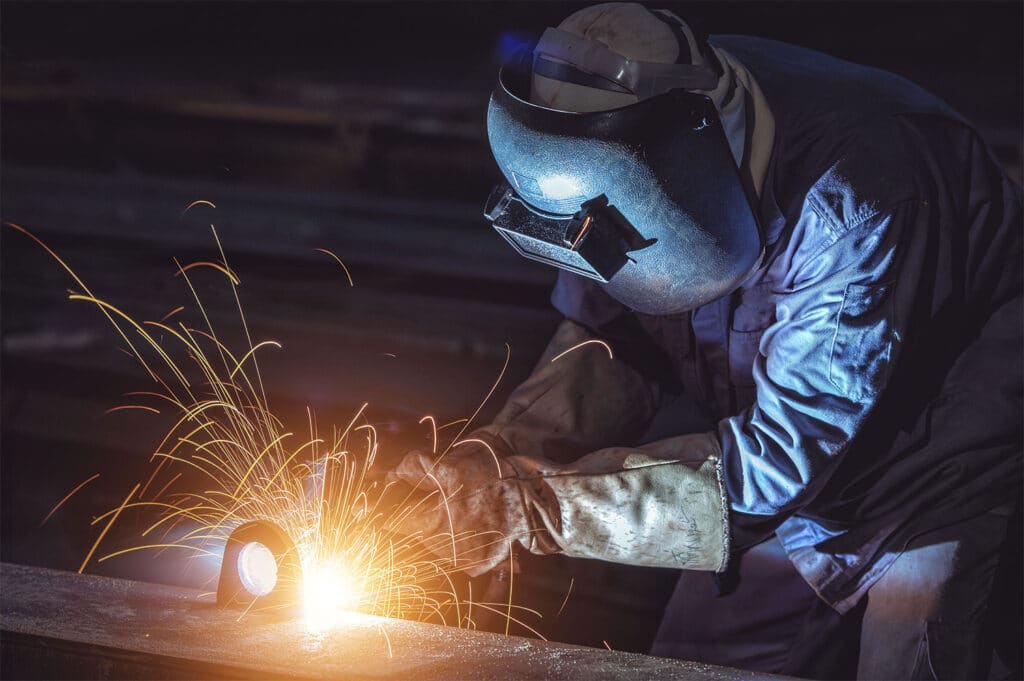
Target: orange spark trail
580,345
249,354
207,263
451,423
511,578
71,272
164,488
330,253
105,529
433,429
487,445
501,375
572,582
131,406
200,202
172,313
69,495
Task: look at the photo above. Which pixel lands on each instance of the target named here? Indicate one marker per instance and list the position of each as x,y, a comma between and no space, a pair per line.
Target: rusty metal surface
111,628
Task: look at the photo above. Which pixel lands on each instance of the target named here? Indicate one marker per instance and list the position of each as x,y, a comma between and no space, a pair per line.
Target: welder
808,273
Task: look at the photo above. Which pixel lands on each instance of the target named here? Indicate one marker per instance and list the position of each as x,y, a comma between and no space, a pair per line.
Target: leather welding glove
464,509
658,505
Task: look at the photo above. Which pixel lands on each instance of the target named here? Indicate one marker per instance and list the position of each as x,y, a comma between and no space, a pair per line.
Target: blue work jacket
866,381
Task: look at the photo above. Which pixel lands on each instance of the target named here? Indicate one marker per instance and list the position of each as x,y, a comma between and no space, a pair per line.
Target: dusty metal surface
58,623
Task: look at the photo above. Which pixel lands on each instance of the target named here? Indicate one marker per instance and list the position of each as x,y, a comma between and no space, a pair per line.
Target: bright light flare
241,465
559,187
328,593
257,569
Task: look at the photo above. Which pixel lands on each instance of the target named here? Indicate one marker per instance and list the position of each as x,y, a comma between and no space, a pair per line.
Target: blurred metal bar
438,237
64,625
237,94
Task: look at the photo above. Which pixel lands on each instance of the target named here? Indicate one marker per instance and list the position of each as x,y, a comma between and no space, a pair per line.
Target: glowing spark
572,581
451,423
120,508
433,429
200,202
69,495
215,265
501,375
593,341
131,406
156,546
490,450
387,639
172,313
606,645
511,577
448,512
250,353
108,308
81,284
338,260
164,488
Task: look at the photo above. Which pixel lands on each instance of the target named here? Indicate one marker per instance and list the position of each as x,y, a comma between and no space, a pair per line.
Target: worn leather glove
659,505
474,512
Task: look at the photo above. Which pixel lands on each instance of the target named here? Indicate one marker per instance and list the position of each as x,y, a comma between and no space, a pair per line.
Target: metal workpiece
65,625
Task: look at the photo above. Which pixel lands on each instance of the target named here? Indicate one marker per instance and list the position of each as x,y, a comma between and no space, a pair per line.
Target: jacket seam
855,226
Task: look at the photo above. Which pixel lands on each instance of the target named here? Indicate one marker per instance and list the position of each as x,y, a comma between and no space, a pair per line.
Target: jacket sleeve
841,320
580,397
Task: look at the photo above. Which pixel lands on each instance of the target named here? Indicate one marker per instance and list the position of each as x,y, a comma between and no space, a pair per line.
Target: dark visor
593,242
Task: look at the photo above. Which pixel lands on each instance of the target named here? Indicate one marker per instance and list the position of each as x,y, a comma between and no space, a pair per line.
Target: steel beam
64,625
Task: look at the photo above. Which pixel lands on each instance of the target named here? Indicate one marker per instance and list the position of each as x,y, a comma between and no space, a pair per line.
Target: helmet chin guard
645,199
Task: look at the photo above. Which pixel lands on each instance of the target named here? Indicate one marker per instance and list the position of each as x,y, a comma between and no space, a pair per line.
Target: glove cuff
632,506
539,500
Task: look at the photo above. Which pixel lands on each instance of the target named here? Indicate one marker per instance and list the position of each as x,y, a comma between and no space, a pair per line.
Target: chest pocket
754,314
862,345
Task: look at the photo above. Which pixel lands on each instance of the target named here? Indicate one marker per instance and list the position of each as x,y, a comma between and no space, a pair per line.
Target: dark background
349,126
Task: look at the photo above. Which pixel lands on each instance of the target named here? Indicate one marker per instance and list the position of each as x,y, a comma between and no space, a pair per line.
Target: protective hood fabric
659,36
628,29
747,120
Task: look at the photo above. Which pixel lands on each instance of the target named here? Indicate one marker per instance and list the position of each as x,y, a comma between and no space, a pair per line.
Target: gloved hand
659,505
475,514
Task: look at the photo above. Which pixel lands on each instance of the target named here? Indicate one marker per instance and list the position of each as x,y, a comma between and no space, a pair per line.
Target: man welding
808,275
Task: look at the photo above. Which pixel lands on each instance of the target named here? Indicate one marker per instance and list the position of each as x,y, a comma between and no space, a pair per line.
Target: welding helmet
645,198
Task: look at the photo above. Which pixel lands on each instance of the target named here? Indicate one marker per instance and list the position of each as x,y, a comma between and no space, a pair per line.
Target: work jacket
865,383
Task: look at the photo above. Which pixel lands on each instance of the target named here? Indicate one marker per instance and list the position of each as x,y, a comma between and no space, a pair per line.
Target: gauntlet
659,505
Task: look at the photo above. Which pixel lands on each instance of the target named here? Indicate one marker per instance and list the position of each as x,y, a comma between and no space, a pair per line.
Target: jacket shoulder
882,167
888,162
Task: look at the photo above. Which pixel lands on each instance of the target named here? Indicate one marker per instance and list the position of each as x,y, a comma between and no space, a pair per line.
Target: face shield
645,199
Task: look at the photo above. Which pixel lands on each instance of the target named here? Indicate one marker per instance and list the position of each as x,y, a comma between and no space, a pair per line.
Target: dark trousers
925,618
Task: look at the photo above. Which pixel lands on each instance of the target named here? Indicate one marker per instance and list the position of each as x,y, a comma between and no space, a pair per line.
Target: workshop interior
256,253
